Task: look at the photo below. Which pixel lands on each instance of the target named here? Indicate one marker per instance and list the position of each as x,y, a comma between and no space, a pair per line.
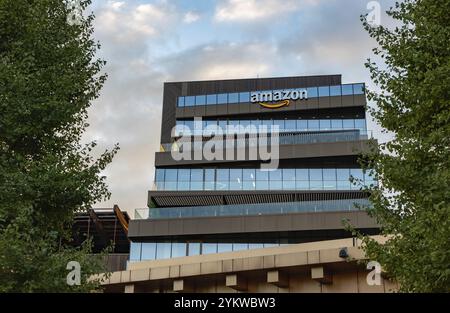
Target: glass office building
201,206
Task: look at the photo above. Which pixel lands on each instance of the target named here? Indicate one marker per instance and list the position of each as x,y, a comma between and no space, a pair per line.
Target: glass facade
139,251
207,127
244,97
252,209
171,179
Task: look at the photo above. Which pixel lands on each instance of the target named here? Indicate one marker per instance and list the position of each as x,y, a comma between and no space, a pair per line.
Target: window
148,251
224,247
208,248
244,97
358,89
313,125
329,174
159,176
315,174
343,174
200,100
302,125
184,175
325,124
301,174
196,174
163,250
135,251
255,245
240,246
280,124
347,90
336,124
189,101
290,125
233,98
209,179
348,124
171,174
335,90
248,174
357,173
211,99
178,249
235,179
181,102
194,248
288,174
360,124
222,98
324,91
312,92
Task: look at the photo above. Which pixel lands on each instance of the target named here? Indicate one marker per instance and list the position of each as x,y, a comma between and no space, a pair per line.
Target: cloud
251,10
191,17
126,23
221,60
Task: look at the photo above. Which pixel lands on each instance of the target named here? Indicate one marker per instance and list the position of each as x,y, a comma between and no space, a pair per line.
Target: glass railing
252,209
283,139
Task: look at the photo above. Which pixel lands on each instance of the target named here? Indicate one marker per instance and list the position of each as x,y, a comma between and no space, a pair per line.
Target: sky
147,43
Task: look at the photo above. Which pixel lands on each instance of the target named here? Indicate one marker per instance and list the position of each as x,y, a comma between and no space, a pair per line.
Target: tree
412,201
49,76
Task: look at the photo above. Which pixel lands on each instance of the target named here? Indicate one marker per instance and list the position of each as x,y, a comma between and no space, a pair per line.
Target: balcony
252,209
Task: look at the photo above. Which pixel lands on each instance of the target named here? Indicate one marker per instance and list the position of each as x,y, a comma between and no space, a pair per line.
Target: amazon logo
277,98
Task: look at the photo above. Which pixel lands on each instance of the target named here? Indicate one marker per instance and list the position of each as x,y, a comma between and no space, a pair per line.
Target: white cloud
129,23
250,10
191,17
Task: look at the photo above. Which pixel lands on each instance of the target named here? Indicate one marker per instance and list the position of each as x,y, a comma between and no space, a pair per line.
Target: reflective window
181,101
200,100
255,245
211,99
135,251
329,174
315,174
163,250
335,90
348,124
312,92
336,124
189,101
244,97
358,89
347,90
159,176
313,125
343,174
148,251
301,174
324,91
360,124
171,174
208,248
223,174
302,124
196,174
233,98
194,248
248,174
222,98
184,175
262,175
289,174
290,125
178,249
224,247
357,173
240,246
325,124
